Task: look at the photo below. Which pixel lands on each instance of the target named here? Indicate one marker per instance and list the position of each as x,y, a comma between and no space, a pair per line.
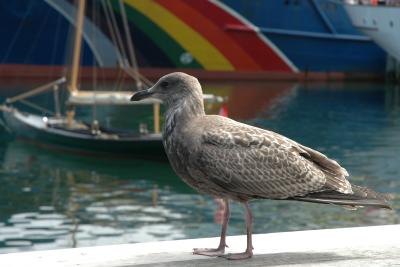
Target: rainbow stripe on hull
193,34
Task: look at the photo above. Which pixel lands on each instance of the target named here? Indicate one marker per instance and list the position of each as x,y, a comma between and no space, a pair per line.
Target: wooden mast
76,56
73,82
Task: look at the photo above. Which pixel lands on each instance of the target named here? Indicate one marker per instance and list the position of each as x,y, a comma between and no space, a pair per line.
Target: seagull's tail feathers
361,197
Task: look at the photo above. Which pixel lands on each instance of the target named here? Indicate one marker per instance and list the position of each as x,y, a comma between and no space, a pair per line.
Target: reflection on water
50,200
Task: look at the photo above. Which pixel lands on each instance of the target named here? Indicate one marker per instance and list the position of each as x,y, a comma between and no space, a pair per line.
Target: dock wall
361,246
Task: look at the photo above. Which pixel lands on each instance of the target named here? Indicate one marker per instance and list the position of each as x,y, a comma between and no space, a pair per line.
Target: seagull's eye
164,84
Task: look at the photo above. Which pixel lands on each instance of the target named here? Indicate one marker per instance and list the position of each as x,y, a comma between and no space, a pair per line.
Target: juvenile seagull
234,161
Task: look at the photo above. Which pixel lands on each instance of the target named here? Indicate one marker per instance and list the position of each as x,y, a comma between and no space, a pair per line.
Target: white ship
379,20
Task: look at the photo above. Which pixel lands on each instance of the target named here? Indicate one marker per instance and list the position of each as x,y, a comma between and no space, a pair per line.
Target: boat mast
73,82
131,50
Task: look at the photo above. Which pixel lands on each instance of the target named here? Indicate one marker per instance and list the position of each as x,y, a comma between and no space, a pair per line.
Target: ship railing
373,2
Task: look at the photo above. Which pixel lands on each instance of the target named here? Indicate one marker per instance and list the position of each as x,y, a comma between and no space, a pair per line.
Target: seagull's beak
142,94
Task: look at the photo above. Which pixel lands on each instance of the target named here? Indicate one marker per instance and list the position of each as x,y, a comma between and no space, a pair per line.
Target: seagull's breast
181,141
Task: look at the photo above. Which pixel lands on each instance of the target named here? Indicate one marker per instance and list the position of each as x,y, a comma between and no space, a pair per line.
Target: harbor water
50,199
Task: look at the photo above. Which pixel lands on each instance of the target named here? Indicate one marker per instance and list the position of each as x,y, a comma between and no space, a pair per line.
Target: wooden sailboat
65,132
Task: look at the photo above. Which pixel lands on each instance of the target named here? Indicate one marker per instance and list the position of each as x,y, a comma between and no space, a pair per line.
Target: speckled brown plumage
243,162
231,160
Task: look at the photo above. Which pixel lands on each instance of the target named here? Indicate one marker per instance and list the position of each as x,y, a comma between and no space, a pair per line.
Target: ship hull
212,38
380,23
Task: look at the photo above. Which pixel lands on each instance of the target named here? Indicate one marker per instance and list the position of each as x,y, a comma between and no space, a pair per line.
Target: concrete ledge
361,246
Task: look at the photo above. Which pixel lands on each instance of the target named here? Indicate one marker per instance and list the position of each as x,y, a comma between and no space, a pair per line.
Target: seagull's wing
258,163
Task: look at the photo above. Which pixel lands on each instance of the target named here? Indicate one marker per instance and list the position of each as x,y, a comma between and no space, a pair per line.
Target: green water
53,200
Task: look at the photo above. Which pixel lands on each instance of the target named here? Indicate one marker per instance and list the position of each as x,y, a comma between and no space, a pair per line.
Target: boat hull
286,37
380,23
32,128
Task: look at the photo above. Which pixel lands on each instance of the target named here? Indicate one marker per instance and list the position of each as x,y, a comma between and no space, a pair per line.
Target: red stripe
247,39
215,35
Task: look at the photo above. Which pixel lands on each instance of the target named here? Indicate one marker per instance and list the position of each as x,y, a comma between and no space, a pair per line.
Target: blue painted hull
314,35
330,54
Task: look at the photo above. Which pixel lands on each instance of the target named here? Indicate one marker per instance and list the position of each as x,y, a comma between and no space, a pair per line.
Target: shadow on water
54,200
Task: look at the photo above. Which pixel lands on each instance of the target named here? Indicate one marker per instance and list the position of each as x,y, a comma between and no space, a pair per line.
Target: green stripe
164,41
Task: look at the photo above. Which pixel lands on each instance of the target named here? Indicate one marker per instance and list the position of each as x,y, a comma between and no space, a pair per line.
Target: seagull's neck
180,112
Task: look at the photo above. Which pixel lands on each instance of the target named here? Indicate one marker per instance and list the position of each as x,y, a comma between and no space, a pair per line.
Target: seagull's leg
222,243
249,250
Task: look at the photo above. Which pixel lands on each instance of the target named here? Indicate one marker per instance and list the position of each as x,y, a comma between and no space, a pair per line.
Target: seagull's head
172,88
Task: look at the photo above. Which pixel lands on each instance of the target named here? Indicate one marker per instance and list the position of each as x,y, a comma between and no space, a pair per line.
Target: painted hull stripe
214,34
171,49
256,47
204,52
274,55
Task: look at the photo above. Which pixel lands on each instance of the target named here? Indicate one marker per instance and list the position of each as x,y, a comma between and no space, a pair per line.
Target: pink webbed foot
238,256
211,252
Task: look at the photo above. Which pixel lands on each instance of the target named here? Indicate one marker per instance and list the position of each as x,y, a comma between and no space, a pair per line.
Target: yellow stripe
204,52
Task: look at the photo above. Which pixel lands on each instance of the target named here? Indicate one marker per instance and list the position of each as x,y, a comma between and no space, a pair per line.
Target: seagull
234,161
